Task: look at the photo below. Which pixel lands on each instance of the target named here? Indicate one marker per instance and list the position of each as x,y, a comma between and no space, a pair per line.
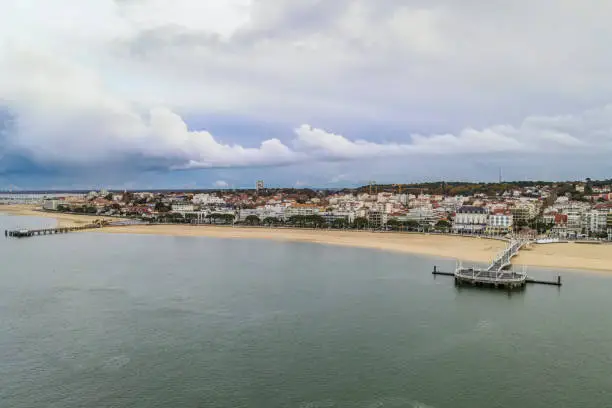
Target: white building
207,199
423,215
262,213
499,223
50,204
470,219
182,207
301,209
597,222
331,216
577,219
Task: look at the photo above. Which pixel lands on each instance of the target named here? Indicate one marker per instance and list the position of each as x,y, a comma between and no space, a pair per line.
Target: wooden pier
499,284
25,233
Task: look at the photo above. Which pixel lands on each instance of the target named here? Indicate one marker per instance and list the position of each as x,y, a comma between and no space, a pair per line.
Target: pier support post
559,280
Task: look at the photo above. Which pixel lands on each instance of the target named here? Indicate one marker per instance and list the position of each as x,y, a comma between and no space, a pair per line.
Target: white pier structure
496,274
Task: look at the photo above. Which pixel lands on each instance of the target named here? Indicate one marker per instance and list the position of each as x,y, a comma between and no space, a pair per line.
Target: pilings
556,282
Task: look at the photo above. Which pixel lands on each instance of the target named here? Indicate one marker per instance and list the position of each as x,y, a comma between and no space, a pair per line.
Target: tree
588,188
520,224
270,221
443,225
340,223
411,225
360,223
252,220
297,220
161,207
394,224
213,217
228,218
317,221
191,216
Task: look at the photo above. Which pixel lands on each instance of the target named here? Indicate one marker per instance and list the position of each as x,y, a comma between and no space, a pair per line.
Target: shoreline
449,247
597,258
62,219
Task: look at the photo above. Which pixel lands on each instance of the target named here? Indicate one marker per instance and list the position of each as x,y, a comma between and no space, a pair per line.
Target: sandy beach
63,220
564,255
472,249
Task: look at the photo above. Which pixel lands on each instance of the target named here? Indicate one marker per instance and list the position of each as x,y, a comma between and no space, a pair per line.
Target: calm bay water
95,320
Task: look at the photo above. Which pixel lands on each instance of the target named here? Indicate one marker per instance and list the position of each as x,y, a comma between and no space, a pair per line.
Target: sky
218,94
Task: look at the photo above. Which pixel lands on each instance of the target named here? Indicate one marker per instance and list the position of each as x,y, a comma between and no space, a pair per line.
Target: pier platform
508,281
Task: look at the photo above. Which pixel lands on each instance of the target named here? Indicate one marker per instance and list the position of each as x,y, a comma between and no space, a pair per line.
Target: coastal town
568,211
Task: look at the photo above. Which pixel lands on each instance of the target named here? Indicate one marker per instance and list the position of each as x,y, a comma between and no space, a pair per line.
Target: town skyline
218,186
563,210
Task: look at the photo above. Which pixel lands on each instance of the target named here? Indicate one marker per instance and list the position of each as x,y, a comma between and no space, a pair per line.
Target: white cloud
220,184
65,115
444,72
589,132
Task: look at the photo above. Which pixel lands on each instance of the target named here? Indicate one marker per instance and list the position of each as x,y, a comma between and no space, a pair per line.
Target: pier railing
503,259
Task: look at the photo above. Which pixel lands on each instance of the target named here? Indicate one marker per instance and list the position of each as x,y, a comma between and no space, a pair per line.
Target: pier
25,233
555,282
497,274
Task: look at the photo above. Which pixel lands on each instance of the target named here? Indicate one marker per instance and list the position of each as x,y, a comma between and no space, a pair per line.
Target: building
559,228
597,222
207,199
259,185
182,207
422,215
576,219
377,218
302,209
50,204
470,219
499,224
609,225
522,214
331,216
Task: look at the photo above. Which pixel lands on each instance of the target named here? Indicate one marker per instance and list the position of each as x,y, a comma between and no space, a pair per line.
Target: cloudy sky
205,93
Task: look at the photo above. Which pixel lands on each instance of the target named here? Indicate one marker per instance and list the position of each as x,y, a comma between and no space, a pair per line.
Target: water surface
100,320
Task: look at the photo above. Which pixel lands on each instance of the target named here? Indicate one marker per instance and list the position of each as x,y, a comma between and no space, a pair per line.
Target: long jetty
25,233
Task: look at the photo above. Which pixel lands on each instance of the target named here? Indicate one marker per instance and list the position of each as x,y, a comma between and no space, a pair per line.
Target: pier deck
25,233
